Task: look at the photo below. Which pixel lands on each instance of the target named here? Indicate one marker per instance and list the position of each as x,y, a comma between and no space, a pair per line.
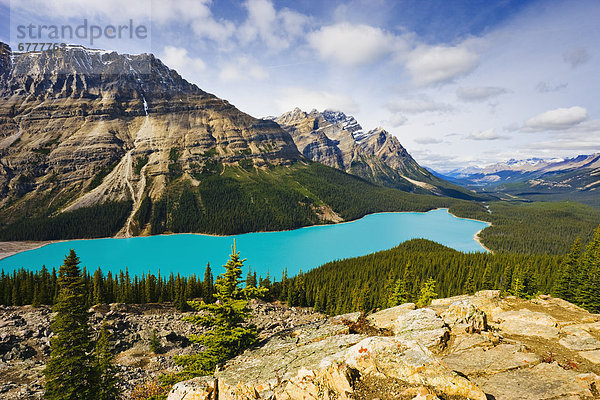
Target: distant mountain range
95,137
575,178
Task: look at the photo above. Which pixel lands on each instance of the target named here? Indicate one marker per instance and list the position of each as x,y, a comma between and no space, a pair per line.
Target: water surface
300,249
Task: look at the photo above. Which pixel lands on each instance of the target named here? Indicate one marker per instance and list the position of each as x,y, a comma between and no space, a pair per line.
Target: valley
379,246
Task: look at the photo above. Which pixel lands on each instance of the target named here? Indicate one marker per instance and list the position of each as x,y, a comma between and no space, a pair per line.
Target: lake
299,249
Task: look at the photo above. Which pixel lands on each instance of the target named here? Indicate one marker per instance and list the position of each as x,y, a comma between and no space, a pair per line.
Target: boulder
385,319
409,362
543,382
592,356
479,360
345,318
422,325
579,337
528,323
465,315
201,388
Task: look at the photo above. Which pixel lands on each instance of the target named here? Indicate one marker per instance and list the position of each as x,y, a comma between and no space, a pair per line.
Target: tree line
391,277
24,287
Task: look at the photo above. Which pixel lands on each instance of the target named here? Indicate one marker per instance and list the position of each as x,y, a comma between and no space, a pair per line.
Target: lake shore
8,249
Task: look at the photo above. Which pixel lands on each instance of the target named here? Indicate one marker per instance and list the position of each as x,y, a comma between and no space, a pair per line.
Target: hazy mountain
339,141
575,178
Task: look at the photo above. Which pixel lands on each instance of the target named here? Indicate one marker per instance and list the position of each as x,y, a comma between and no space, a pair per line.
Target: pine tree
589,278
399,294
469,285
427,293
70,372
155,346
517,288
208,285
566,281
107,373
228,335
98,287
486,280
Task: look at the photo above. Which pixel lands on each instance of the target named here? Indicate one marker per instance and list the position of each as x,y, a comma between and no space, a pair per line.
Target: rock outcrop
25,340
458,348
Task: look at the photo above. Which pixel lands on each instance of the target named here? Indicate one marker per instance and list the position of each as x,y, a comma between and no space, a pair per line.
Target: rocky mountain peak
5,61
78,121
76,71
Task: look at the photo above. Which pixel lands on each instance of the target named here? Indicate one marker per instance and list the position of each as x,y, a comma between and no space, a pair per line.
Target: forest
371,282
374,281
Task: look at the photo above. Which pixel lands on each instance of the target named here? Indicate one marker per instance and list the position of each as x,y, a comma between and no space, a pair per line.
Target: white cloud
557,119
307,99
395,120
177,58
430,65
479,93
242,68
277,29
489,134
417,106
353,45
428,140
576,56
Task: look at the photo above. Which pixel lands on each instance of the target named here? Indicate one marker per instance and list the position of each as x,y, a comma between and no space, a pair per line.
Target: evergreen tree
486,280
107,373
566,282
399,294
251,279
228,336
517,288
469,285
589,272
155,346
98,287
208,285
70,372
427,293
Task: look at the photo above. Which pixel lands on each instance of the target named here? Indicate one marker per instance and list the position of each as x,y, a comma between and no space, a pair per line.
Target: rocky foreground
465,347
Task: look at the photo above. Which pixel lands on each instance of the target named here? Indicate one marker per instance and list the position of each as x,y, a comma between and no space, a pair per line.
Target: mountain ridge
337,140
576,179
88,135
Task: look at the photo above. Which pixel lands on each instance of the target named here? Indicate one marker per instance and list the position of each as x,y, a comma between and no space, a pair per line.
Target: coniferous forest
378,280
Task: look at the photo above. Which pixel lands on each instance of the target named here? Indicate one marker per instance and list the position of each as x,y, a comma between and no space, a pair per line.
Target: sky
459,83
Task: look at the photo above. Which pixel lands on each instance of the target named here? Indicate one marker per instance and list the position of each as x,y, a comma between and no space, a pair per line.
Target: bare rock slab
529,323
385,319
422,325
479,360
542,382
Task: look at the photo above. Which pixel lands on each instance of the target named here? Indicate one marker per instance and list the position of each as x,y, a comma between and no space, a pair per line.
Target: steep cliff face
79,127
337,140
5,62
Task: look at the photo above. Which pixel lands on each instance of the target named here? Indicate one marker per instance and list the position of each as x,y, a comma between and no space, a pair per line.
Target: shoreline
11,248
478,240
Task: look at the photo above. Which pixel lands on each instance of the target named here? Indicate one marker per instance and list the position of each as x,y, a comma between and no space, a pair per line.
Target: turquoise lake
300,249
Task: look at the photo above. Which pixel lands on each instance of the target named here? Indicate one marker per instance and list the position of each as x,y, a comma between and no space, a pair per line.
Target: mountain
339,141
95,143
576,178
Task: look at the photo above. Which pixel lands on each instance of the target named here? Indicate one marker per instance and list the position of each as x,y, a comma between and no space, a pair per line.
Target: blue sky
458,82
